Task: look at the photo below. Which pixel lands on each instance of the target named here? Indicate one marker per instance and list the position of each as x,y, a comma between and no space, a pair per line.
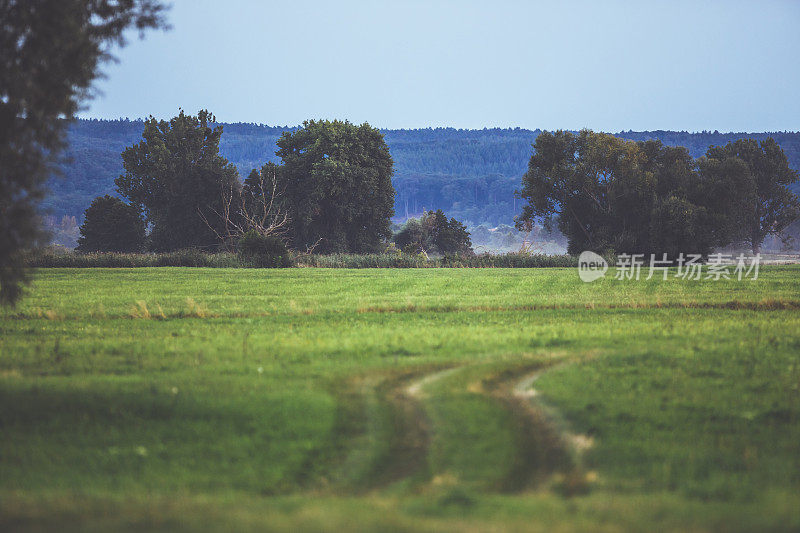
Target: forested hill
470,174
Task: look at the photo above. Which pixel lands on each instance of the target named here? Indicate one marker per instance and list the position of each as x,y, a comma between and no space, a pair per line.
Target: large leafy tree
180,181
111,225
608,194
50,52
337,184
759,176
591,186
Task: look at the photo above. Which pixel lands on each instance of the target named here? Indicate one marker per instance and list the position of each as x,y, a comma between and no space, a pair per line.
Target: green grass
379,399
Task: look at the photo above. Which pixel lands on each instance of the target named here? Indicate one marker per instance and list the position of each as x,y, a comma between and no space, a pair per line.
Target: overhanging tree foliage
337,181
179,180
50,51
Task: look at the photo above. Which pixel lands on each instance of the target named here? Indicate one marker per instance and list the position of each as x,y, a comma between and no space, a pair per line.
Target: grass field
393,400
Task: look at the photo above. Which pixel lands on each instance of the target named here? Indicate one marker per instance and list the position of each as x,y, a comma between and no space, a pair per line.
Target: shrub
265,251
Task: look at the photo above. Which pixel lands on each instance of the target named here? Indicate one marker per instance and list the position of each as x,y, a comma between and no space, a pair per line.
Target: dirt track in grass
400,432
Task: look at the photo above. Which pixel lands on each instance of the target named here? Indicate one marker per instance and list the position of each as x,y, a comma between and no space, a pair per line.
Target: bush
264,251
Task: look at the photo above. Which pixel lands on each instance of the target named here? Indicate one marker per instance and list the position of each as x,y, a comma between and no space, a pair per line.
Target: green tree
592,186
726,190
111,225
50,52
760,177
412,238
337,181
180,181
608,194
433,233
450,237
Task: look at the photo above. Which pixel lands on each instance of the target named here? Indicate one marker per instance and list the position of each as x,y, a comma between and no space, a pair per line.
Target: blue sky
610,66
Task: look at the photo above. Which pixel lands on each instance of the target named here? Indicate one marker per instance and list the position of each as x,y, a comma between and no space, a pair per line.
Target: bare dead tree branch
310,249
260,210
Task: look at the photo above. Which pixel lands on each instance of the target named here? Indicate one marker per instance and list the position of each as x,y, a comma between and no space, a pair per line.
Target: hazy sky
611,66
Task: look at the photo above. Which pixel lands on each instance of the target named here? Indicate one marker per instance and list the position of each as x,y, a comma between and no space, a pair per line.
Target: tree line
330,193
469,174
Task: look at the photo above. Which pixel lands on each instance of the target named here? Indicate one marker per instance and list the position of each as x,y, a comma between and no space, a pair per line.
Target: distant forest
469,174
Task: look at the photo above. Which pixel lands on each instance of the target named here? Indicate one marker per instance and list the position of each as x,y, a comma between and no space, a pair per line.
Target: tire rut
540,451
398,430
396,433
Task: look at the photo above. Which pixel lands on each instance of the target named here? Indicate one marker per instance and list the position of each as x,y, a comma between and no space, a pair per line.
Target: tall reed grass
180,258
196,258
510,260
